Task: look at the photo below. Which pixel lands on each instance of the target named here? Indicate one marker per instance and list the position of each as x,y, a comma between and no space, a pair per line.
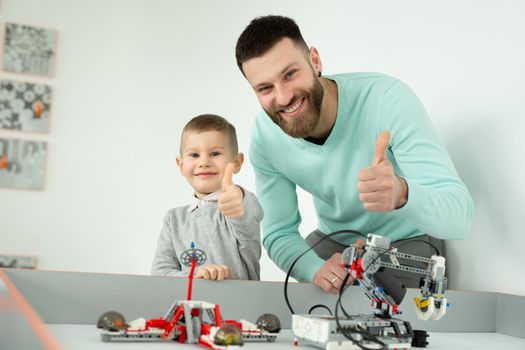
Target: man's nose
283,96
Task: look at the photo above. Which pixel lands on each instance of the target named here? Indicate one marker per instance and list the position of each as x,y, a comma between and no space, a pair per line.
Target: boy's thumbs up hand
227,179
378,186
231,198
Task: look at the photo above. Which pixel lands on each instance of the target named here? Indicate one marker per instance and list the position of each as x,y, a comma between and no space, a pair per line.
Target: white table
86,337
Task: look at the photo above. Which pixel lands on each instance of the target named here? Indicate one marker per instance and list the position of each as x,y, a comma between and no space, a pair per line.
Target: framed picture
18,261
22,164
24,106
29,49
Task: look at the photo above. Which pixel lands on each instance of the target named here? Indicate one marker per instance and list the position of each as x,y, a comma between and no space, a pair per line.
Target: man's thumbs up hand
231,198
381,146
378,186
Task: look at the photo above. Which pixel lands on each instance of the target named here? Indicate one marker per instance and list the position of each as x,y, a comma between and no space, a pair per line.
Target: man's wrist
403,199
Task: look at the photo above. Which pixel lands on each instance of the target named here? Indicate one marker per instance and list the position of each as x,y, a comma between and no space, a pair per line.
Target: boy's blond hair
208,122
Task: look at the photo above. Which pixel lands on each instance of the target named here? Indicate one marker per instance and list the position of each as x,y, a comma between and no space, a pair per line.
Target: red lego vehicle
193,322
190,321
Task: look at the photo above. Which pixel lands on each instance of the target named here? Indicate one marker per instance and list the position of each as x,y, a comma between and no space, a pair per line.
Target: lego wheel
112,321
420,339
269,323
189,254
228,335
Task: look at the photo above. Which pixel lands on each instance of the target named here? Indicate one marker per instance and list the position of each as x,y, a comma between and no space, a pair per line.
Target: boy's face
287,87
204,158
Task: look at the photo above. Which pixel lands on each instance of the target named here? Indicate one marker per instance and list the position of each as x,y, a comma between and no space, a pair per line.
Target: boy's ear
179,163
238,160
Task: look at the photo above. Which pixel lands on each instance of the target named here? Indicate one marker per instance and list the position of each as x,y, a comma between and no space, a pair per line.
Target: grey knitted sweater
231,242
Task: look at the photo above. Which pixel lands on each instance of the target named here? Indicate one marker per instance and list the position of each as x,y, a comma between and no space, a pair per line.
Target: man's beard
303,125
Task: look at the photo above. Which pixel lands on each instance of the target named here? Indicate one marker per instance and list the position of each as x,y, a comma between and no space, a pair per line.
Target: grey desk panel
86,337
80,298
16,332
510,317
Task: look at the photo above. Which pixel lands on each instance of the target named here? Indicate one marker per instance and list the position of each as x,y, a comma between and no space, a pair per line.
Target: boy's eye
215,154
193,155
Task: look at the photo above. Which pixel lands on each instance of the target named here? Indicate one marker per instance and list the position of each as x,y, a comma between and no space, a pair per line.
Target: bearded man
361,144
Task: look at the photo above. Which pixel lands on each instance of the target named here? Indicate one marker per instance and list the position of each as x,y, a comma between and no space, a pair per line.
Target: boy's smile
206,174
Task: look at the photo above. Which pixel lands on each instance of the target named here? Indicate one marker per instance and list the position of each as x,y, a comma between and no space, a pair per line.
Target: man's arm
438,202
278,198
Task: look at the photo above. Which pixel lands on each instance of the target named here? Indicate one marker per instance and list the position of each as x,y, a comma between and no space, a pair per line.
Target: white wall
130,73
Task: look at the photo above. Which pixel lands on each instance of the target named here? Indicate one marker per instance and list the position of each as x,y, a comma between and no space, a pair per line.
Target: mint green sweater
438,202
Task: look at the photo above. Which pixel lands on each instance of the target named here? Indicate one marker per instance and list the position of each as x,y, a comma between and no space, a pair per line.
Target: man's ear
238,160
179,163
315,61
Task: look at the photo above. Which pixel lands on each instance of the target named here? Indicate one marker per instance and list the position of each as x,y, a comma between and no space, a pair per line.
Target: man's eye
264,89
290,74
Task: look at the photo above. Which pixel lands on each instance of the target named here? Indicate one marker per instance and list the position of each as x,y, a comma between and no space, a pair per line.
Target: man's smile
294,109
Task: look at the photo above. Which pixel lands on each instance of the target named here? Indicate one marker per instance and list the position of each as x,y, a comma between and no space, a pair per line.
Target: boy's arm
166,262
246,229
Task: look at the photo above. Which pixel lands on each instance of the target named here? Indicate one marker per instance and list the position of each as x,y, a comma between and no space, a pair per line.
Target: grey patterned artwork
22,164
18,261
29,49
24,106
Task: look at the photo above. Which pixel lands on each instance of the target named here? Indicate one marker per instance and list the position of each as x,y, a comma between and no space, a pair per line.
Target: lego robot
369,266
189,321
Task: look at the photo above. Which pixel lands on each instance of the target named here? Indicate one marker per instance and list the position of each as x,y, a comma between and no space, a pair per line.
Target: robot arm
366,266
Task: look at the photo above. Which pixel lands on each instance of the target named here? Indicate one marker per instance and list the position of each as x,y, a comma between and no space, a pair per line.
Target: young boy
223,219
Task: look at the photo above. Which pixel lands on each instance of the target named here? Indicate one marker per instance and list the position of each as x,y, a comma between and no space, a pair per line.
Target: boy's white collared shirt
201,202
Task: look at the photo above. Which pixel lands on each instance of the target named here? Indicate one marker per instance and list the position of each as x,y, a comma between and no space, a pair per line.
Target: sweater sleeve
278,198
246,230
439,203
166,262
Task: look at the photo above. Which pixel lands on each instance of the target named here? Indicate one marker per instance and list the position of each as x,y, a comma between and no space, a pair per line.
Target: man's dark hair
263,33
209,122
